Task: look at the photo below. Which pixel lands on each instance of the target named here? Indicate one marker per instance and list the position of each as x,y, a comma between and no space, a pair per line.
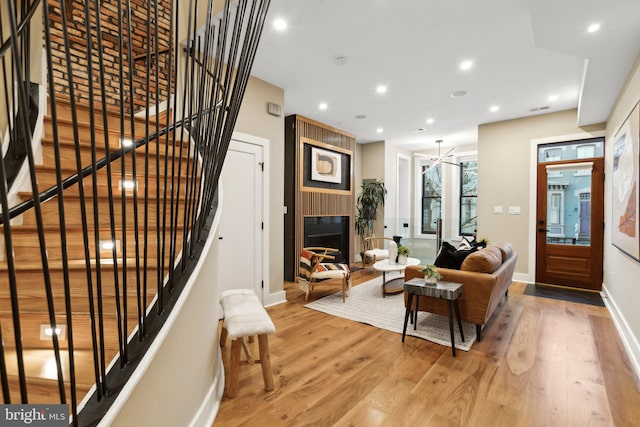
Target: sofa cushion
450,257
486,260
505,249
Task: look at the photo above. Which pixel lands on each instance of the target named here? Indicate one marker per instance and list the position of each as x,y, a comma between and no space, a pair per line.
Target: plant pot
431,280
402,259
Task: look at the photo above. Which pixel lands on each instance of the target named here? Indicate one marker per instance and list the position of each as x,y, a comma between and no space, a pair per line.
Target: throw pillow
450,257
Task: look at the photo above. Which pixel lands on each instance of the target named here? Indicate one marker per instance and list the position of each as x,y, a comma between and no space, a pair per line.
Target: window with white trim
431,198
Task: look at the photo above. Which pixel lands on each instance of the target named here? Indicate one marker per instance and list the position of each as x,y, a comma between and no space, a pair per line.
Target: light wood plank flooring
541,363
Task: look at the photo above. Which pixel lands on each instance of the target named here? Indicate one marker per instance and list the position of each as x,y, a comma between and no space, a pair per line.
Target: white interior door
240,233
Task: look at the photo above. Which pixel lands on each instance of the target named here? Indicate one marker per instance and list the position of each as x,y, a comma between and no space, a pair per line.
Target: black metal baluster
61,210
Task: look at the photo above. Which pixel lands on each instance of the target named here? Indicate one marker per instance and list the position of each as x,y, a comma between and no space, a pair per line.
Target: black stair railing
120,227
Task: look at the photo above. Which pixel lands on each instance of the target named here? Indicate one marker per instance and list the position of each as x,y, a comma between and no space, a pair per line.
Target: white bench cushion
244,315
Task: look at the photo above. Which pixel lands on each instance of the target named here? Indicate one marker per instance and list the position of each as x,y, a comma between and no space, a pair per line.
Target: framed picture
625,192
325,168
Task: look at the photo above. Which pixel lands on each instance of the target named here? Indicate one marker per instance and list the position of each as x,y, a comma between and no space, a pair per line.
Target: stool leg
265,361
223,337
231,387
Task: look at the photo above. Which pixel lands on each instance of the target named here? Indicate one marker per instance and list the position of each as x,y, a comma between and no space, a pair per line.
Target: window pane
571,150
468,215
468,198
569,208
431,198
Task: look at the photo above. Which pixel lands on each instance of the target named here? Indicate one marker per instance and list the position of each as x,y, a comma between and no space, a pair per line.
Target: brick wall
111,52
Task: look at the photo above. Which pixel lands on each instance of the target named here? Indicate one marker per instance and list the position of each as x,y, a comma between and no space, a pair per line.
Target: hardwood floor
541,362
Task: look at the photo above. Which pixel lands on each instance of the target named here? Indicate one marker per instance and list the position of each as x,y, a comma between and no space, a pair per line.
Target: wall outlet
497,209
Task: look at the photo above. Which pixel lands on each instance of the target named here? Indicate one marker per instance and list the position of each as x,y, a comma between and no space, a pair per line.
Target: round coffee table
384,266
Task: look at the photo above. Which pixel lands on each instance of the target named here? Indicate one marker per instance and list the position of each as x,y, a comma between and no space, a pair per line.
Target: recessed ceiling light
552,98
323,106
494,108
465,65
379,130
280,24
593,28
458,93
430,121
381,89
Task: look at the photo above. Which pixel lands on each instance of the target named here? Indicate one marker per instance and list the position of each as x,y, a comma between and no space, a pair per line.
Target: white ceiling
523,52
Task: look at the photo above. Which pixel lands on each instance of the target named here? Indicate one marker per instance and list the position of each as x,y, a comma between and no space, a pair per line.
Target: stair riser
83,114
26,247
73,215
47,179
68,158
65,131
30,327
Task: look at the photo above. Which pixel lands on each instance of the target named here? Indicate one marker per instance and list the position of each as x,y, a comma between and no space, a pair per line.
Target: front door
570,223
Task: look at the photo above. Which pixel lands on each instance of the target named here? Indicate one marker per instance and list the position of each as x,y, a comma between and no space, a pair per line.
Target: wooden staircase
40,371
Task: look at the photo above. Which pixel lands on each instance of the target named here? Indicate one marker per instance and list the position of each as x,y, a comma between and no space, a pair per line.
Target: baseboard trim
208,410
275,298
522,277
629,340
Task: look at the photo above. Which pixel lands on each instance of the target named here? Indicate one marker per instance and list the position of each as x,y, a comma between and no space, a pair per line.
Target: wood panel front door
570,223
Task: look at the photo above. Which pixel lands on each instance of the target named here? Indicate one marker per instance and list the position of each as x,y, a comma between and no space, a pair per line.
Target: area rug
366,305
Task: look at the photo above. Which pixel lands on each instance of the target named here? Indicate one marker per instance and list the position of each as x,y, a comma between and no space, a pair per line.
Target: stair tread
73,264
113,111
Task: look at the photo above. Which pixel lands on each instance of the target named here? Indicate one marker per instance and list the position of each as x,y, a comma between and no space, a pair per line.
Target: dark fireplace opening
329,232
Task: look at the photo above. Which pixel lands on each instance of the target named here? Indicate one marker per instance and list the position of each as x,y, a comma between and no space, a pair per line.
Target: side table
385,267
446,290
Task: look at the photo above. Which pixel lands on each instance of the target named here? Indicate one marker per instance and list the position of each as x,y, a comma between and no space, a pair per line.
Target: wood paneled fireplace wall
318,190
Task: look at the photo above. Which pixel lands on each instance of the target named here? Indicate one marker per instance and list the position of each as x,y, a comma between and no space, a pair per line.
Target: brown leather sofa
486,276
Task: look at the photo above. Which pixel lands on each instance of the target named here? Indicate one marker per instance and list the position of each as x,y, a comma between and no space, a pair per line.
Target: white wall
621,273
180,379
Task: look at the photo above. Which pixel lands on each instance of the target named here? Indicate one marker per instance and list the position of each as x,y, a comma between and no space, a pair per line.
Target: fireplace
329,232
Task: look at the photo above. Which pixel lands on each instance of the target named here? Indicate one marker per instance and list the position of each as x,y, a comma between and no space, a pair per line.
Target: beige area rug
366,305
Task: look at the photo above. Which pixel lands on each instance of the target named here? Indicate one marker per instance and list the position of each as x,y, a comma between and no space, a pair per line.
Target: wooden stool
244,316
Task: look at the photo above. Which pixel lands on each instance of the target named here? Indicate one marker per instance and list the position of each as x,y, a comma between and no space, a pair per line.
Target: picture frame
625,233
325,168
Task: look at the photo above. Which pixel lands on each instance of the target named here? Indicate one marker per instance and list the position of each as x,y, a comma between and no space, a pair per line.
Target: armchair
374,249
314,270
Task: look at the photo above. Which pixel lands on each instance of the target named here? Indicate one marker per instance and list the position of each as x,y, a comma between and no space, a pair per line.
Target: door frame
406,188
264,143
533,167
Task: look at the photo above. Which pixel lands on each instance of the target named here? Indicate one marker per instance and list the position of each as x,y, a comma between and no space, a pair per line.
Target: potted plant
369,201
403,254
431,274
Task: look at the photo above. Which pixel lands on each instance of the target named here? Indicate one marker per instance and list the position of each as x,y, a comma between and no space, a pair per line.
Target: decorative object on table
431,274
393,252
369,201
403,254
365,305
625,234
